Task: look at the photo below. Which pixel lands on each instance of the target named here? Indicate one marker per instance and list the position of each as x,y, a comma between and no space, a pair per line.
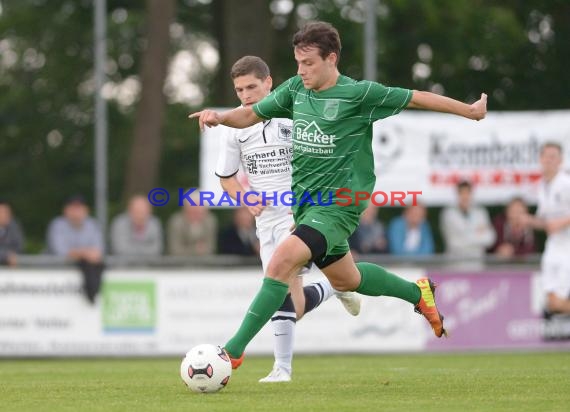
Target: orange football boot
236,362
427,307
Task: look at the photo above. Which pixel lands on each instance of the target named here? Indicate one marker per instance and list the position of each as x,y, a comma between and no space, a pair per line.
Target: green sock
377,281
269,298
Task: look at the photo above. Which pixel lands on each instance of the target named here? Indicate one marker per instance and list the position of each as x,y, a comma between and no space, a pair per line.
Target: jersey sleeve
541,207
565,193
539,210
380,101
278,103
230,154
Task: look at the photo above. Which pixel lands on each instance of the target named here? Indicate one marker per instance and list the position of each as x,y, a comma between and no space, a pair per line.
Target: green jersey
332,133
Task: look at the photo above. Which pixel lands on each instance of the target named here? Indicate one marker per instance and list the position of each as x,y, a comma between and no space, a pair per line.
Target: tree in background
145,151
242,29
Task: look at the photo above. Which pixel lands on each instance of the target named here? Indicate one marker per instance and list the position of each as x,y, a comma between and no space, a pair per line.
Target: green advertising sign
129,306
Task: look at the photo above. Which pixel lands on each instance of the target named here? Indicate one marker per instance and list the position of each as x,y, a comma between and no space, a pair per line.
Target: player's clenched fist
208,118
479,108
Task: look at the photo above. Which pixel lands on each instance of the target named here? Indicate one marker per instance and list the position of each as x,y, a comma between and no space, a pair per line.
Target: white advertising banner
430,152
44,313
146,312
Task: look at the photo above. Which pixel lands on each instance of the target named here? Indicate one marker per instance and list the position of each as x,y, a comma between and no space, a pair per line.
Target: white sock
284,331
325,290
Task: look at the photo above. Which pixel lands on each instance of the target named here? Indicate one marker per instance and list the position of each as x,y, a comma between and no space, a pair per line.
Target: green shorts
336,224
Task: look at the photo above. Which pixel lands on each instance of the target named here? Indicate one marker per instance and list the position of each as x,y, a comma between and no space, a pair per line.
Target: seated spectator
77,237
137,232
193,230
11,236
240,237
466,229
514,237
410,234
369,236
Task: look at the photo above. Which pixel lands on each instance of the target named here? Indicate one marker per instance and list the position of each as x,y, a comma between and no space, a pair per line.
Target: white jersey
264,150
554,202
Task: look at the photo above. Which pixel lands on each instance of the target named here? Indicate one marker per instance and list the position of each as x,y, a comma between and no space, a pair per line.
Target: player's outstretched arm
239,118
437,103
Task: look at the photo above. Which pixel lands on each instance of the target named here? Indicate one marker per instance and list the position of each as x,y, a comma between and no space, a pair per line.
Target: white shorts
555,274
270,236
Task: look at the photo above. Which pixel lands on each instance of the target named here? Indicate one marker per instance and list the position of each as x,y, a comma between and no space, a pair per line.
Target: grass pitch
474,382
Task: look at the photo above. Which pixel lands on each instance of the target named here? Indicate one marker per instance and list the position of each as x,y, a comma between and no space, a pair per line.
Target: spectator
466,229
77,237
369,236
137,232
410,234
240,237
553,216
515,238
11,236
193,230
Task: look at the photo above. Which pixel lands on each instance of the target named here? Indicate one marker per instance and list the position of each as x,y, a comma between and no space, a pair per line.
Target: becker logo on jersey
310,134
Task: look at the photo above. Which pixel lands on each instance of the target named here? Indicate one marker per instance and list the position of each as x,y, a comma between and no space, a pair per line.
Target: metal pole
370,46
100,47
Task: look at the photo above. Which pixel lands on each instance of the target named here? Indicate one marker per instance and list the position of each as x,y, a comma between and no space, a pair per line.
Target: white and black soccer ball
206,368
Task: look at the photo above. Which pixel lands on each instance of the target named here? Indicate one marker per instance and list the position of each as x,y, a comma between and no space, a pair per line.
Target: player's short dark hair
464,184
554,145
321,35
250,65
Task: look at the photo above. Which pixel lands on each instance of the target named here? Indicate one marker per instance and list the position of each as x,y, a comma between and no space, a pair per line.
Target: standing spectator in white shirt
553,216
466,229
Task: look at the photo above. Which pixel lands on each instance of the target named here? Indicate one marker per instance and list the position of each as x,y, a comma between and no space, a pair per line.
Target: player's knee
282,267
288,260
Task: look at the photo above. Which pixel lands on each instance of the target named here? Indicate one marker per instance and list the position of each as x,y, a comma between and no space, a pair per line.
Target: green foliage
47,124
47,106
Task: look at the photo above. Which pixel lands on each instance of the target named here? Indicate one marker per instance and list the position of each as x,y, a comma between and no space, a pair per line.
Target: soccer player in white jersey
264,150
553,216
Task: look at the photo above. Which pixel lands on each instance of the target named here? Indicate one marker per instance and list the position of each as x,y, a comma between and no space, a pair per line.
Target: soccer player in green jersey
332,133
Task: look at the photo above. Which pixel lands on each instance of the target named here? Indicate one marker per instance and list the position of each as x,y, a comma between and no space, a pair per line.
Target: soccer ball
206,368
